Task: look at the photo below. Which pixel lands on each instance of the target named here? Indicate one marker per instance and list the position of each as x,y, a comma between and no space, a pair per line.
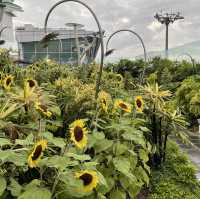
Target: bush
176,179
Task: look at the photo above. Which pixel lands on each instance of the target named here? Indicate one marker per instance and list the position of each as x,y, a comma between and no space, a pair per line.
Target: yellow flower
78,133
139,104
37,153
29,87
42,109
89,178
104,99
120,104
7,82
1,78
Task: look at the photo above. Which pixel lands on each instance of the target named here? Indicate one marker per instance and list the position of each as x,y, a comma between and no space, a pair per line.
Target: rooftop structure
72,45
7,12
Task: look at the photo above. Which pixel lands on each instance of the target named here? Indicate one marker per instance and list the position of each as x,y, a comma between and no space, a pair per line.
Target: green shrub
176,179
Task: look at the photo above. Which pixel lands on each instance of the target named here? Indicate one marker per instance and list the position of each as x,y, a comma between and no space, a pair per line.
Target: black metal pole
98,82
167,41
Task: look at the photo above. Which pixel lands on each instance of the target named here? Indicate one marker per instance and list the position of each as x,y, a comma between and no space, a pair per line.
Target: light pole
2,6
166,19
100,33
76,27
135,34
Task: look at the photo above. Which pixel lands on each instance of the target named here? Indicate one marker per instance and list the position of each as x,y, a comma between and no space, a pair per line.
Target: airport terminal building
72,45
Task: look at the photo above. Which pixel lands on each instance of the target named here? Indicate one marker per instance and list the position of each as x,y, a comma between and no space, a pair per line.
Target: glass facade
63,51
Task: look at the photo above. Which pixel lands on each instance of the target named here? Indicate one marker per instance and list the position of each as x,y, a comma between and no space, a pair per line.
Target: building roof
10,5
29,33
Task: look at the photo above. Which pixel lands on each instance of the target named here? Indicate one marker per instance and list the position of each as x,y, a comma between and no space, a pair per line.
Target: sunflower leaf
4,141
15,188
103,145
78,157
36,192
2,185
58,162
59,142
122,165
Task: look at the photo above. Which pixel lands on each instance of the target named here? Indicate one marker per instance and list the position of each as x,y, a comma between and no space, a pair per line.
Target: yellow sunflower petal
7,82
104,100
89,178
139,104
36,154
78,133
120,104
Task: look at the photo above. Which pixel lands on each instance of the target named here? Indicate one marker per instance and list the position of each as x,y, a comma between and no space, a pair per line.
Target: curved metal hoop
141,40
191,58
98,82
131,31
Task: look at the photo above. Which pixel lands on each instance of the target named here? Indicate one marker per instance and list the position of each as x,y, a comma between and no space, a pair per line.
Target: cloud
137,15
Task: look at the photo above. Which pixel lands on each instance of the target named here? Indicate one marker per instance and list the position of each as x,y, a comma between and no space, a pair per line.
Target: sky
137,15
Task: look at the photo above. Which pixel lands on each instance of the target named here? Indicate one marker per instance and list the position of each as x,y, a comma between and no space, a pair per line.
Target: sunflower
78,133
7,82
120,104
1,78
37,153
42,109
139,104
29,87
104,99
89,178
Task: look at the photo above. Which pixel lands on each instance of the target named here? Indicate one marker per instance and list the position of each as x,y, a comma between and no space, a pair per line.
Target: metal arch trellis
98,82
138,36
128,30
191,58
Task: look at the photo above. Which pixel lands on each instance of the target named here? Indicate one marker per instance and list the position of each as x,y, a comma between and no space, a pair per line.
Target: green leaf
117,193
27,142
34,183
71,185
14,187
144,129
134,189
4,142
143,155
119,149
78,157
142,175
94,138
36,192
136,138
19,159
102,180
103,145
59,142
2,185
58,162
122,165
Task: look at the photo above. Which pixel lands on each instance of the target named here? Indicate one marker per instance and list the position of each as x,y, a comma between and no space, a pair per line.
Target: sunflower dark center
139,103
8,81
37,152
104,102
31,83
43,107
123,106
86,178
78,133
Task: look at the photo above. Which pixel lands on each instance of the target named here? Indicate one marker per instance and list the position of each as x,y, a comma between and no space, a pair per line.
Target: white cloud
154,26
116,14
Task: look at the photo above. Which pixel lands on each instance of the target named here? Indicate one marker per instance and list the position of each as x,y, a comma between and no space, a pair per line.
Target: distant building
63,49
7,12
